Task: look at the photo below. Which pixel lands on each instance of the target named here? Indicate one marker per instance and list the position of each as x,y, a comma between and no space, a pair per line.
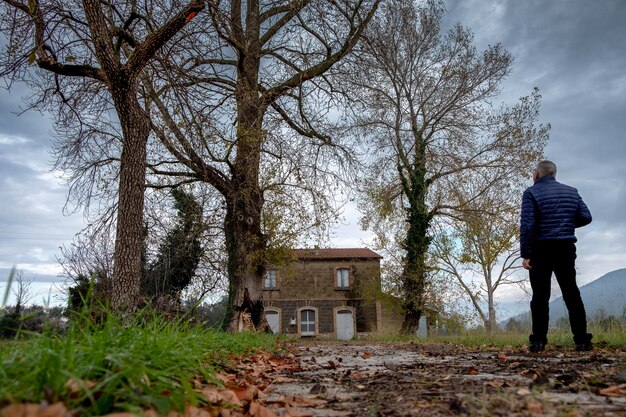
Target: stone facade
310,282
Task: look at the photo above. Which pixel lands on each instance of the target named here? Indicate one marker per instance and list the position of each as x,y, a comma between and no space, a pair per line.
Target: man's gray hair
546,169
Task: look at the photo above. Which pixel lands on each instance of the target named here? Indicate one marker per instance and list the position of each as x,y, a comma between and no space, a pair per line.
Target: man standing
550,213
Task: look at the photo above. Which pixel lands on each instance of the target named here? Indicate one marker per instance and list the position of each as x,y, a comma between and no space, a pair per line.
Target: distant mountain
607,294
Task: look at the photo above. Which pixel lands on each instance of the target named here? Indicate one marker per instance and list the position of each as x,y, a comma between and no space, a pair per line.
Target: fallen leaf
472,371
77,386
292,412
538,378
275,363
191,411
153,413
614,391
304,401
523,392
212,395
496,383
225,378
54,410
121,414
282,379
257,410
502,356
230,397
20,410
534,406
367,355
247,393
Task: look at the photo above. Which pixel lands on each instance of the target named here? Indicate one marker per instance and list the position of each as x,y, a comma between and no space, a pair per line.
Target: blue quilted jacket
550,211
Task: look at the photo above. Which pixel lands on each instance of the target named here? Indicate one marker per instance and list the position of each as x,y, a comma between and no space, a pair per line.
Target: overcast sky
573,51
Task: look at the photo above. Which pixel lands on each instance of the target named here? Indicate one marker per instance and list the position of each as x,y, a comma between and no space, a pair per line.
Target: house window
343,278
269,282
307,322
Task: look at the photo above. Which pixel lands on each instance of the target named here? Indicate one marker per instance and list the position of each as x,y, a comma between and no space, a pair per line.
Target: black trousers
556,256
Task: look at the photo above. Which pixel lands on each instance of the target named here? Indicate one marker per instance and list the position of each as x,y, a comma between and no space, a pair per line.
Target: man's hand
526,264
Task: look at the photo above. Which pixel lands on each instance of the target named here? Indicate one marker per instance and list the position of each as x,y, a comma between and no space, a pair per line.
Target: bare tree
22,291
90,252
479,248
243,111
93,50
422,106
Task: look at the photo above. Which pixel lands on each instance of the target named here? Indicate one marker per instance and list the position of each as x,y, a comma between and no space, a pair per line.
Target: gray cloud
32,226
572,51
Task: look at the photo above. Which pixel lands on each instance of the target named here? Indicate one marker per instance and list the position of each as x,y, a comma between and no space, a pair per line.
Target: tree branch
353,36
146,50
291,12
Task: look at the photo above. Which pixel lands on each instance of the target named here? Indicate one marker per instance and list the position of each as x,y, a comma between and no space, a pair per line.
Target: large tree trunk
414,278
416,242
245,243
127,269
245,246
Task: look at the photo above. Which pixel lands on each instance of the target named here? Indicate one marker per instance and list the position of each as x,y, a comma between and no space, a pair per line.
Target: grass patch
611,338
119,365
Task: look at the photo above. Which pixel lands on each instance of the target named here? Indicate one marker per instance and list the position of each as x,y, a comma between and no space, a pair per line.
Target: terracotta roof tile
336,253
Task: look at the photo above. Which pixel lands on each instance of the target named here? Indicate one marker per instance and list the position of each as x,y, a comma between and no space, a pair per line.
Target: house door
345,325
272,320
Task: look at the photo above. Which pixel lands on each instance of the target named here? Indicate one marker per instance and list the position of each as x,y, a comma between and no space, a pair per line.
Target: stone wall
364,312
312,284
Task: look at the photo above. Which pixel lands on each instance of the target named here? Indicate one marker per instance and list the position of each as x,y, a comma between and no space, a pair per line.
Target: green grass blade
8,288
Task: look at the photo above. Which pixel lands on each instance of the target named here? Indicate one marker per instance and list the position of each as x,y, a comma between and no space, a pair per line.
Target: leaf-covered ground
433,380
357,379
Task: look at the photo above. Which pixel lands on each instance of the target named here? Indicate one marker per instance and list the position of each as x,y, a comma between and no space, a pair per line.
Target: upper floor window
343,278
269,282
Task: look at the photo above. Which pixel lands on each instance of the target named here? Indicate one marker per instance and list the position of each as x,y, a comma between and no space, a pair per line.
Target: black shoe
584,347
536,347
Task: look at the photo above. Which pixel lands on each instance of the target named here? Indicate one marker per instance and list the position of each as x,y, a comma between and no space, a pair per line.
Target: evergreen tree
179,253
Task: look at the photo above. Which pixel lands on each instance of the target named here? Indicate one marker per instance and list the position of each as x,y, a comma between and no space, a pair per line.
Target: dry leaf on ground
292,412
34,410
614,391
257,410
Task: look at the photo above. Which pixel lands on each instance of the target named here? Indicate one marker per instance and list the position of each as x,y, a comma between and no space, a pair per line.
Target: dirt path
443,380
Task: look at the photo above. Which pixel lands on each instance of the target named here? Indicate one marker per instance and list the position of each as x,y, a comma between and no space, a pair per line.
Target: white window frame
270,280
307,322
342,278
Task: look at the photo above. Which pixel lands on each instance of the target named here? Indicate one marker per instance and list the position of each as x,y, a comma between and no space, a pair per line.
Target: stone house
331,293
